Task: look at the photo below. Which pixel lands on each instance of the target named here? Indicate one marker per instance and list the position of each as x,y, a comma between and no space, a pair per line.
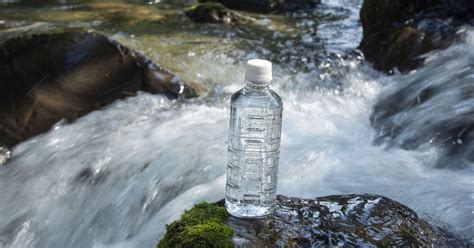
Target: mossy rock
212,12
202,226
339,220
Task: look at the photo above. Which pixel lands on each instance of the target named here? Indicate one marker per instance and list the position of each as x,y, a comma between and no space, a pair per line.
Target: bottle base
248,211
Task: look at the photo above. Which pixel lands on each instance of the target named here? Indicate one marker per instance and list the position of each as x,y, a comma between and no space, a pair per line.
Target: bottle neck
257,85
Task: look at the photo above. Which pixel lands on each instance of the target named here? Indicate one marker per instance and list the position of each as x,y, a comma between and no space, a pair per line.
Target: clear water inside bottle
254,146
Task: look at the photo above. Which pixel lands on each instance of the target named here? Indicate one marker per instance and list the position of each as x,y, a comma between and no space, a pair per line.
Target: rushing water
115,177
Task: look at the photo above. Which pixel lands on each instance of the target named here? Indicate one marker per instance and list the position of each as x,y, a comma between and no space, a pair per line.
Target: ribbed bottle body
254,147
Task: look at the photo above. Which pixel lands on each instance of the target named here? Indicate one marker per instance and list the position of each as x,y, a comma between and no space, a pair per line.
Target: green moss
201,226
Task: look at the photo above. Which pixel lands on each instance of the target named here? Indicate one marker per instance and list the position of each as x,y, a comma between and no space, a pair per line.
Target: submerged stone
45,78
125,13
88,175
212,12
267,6
339,220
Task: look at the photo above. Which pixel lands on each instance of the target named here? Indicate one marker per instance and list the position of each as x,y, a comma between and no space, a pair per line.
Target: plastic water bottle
254,144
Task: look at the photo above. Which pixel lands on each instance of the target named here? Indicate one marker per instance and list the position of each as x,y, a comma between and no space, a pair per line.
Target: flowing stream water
117,176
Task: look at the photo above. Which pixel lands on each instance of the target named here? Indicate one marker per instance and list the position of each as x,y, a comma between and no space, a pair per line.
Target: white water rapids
116,176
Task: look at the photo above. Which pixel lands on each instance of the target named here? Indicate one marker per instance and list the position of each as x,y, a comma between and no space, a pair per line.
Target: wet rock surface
213,12
340,220
267,6
425,108
45,78
397,32
118,12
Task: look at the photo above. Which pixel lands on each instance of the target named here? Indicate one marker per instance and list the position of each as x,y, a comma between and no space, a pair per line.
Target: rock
267,6
121,12
350,220
340,220
125,13
212,12
48,77
397,32
434,106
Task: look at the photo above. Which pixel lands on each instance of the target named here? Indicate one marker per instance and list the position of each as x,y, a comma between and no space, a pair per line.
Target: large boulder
435,106
397,32
340,220
48,77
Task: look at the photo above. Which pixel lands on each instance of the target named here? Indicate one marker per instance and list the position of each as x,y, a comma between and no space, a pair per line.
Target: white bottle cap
258,71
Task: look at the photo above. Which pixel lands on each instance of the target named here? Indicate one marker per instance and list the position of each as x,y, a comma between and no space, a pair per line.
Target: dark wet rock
267,6
213,12
339,220
48,77
397,32
426,108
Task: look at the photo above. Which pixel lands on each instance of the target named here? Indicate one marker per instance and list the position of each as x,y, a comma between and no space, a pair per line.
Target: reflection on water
116,176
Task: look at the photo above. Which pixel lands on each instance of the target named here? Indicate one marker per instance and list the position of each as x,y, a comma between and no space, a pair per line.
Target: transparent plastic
254,147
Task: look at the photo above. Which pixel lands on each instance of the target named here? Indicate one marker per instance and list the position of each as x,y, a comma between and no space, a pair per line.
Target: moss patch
201,226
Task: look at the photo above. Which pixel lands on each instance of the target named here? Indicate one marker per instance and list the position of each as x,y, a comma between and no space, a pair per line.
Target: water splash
433,108
116,176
